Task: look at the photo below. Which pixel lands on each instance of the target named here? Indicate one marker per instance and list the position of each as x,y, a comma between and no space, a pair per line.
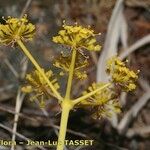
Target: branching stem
67,104
28,54
78,100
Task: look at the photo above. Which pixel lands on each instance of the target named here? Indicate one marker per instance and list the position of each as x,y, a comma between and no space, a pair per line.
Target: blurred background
124,26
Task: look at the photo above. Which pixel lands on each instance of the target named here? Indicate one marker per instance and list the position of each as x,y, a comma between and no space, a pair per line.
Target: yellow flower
63,63
27,89
99,98
121,74
107,110
104,103
16,29
38,86
78,37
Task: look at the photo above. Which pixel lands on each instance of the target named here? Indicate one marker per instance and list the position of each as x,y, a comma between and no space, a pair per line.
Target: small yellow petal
27,89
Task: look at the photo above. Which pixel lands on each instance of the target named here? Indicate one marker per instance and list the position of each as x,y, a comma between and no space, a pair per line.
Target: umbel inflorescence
16,29
39,87
77,36
122,75
101,98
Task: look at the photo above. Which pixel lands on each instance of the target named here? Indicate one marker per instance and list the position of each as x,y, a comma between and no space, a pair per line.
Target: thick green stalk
66,107
71,71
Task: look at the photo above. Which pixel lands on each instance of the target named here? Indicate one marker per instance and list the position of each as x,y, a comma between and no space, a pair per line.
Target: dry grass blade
7,87
111,42
25,8
19,101
140,131
132,113
124,31
24,67
145,40
12,69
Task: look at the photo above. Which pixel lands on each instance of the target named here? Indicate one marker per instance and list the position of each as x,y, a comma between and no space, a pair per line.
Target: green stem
78,100
28,54
67,104
66,107
71,71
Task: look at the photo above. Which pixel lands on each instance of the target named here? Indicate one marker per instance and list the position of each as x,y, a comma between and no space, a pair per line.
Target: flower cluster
107,110
16,29
104,103
121,75
78,37
63,62
38,86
